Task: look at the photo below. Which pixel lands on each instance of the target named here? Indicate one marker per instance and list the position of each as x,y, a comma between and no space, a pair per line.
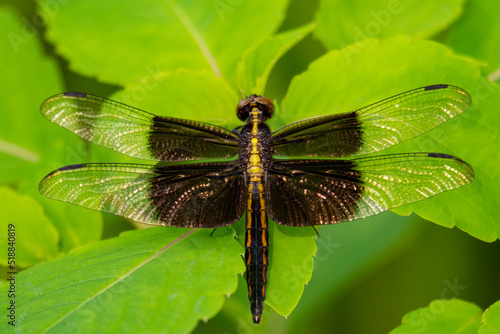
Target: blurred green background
367,274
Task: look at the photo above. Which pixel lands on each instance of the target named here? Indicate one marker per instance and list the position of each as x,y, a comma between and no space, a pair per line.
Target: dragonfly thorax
254,150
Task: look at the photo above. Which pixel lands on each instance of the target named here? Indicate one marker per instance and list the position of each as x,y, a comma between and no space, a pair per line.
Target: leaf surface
31,147
151,280
341,23
441,317
291,266
35,239
477,34
491,320
123,43
257,63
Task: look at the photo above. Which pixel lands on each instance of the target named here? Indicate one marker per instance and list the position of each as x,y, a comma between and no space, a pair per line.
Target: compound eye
268,104
241,111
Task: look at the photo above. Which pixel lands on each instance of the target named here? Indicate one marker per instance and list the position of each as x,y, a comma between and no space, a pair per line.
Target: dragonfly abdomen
256,236
256,248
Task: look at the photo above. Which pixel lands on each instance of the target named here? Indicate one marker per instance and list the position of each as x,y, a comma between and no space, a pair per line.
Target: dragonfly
311,172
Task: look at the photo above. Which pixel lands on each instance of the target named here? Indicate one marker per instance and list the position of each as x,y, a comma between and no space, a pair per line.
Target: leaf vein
197,36
185,235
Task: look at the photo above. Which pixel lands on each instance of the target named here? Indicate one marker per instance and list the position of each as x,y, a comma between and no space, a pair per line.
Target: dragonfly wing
195,195
372,128
137,133
316,192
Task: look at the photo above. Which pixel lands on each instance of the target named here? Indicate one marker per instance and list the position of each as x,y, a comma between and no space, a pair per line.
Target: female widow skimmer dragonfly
293,175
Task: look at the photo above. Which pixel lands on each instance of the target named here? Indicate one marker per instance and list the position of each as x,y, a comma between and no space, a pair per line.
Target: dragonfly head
265,105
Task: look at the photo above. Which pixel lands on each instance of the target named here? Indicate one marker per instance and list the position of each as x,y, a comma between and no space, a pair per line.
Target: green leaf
442,317
24,66
153,280
123,43
35,238
366,74
491,320
257,63
341,23
31,147
77,226
477,33
290,265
